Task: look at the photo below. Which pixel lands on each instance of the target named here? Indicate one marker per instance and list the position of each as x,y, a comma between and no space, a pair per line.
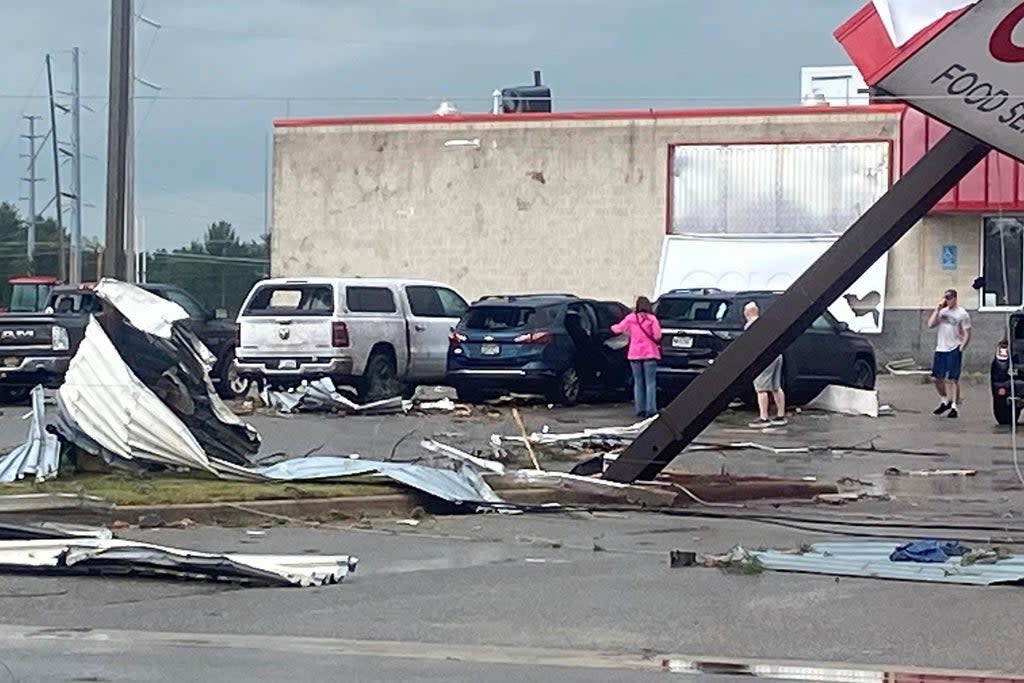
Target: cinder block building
589,202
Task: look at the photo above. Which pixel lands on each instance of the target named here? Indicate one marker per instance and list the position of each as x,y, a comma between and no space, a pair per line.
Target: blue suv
557,345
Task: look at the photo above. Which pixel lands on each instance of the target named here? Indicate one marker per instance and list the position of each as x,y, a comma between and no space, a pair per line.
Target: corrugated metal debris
104,409
84,555
870,559
846,400
144,310
39,456
321,395
597,437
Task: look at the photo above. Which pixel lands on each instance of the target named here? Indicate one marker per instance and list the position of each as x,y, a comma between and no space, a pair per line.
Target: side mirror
220,314
843,327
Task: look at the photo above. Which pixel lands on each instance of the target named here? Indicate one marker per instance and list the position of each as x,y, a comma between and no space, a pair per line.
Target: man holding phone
953,334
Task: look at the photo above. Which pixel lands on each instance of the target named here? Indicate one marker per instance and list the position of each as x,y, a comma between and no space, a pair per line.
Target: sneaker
953,413
779,422
760,424
943,407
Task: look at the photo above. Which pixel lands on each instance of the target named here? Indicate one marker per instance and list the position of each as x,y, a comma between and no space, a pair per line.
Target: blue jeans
645,387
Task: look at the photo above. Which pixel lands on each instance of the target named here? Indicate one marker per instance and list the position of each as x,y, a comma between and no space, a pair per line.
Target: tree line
218,267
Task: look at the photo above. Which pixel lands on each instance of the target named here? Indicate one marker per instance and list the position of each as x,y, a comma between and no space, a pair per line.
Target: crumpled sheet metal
103,400
115,556
144,310
461,484
599,435
870,559
322,395
39,456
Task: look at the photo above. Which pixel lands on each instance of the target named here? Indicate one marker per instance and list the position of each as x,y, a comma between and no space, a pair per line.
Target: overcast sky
228,67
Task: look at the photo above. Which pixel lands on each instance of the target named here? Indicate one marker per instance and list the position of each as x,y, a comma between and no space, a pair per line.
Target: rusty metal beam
826,280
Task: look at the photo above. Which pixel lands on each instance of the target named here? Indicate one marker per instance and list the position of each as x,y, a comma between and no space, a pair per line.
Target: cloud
227,68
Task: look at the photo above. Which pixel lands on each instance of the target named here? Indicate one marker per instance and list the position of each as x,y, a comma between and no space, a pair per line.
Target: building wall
547,205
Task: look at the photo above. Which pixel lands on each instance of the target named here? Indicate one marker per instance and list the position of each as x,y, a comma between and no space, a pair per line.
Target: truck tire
566,389
863,375
1003,411
15,395
230,384
380,379
470,395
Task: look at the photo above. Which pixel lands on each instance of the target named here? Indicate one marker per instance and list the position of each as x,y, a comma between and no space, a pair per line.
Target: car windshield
686,309
28,298
307,300
75,302
496,318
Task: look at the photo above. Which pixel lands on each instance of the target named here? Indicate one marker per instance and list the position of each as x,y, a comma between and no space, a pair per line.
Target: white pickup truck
382,336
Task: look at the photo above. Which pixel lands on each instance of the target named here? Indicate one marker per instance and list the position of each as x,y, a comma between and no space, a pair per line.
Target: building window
1002,261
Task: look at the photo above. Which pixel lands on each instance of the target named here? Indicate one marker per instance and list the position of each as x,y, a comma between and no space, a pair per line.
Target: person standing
954,332
644,352
768,384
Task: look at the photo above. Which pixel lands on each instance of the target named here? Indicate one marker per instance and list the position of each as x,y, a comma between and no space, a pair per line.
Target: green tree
218,268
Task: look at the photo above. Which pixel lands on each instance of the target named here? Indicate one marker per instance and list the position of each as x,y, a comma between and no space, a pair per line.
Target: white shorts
770,378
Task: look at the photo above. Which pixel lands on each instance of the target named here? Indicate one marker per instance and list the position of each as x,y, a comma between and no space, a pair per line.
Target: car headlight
59,338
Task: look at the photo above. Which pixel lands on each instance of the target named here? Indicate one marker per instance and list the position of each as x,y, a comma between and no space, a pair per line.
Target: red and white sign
970,75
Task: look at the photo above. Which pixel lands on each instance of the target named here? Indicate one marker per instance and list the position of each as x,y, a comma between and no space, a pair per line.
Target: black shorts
947,364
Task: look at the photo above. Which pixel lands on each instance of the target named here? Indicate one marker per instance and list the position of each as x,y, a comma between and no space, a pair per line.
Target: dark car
557,345
36,348
1006,397
699,323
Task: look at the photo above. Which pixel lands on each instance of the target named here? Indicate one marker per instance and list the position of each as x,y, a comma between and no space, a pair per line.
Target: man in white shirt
953,334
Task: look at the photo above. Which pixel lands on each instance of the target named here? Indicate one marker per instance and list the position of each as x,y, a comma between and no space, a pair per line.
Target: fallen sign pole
938,171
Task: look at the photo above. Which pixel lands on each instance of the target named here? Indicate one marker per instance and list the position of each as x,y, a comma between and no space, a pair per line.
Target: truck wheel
566,389
1002,410
863,375
469,395
380,379
231,384
15,395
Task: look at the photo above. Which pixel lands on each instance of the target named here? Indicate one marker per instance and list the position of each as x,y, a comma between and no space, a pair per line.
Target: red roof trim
622,115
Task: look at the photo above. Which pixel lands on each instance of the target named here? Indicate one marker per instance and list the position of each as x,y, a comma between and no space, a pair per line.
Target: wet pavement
482,597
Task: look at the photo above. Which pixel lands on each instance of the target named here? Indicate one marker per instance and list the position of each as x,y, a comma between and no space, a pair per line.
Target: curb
831,672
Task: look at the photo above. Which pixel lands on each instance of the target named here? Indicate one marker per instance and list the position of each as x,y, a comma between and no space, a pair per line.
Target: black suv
699,323
557,345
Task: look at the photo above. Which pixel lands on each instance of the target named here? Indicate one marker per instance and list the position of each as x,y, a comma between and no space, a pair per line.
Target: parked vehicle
557,345
382,336
698,324
1007,399
36,348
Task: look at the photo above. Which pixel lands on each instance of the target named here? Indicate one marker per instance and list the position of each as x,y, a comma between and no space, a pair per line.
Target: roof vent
446,109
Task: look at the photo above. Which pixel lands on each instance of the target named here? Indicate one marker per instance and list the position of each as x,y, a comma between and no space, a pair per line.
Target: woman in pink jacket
644,353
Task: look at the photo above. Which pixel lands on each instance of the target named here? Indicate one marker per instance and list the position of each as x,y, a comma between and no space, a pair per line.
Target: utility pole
75,271
119,124
130,229
62,268
32,179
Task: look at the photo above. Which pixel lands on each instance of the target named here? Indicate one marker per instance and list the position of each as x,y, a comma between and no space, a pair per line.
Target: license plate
287,365
682,342
490,349
11,362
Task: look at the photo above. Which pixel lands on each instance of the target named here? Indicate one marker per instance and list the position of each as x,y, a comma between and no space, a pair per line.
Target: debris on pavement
600,437
39,456
928,551
489,465
897,472
320,395
845,400
52,502
138,396
114,557
870,559
905,367
736,561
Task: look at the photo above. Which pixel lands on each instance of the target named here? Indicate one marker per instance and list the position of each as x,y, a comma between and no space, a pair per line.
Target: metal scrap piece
39,456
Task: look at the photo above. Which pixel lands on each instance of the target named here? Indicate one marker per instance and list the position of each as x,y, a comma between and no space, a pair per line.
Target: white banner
904,19
735,264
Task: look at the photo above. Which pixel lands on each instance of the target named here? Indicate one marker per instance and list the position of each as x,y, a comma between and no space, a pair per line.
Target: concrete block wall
549,205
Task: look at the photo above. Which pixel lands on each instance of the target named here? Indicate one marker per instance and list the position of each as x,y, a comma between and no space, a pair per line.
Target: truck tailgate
284,336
